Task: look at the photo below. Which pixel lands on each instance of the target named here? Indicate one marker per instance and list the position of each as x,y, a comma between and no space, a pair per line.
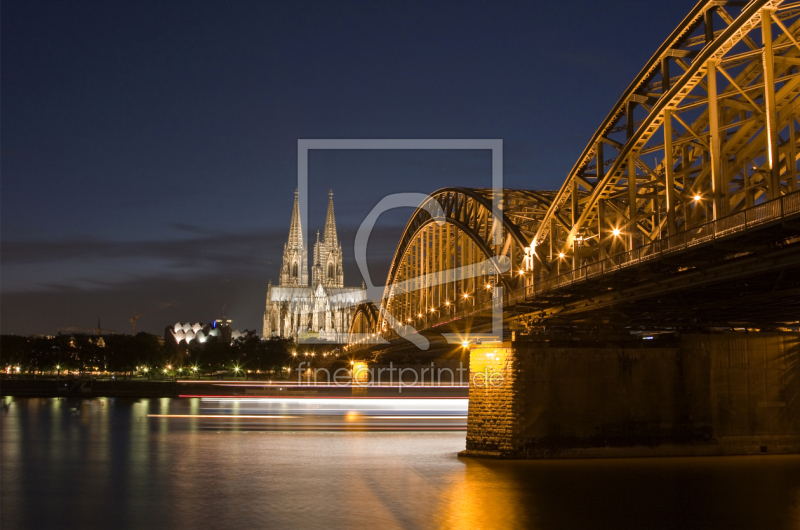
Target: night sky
149,148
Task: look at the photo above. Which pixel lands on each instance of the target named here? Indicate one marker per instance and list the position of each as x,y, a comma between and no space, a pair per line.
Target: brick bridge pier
689,395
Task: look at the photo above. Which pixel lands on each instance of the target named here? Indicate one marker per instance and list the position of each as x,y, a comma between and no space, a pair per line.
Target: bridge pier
690,395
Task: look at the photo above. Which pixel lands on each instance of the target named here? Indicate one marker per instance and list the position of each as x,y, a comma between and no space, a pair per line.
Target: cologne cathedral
319,311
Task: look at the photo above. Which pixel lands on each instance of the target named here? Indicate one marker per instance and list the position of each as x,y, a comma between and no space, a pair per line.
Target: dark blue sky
149,148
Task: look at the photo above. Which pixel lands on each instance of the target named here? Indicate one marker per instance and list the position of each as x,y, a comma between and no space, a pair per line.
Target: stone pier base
694,395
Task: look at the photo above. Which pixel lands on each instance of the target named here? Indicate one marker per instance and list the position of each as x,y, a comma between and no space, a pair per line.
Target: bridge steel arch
441,264
706,129
364,322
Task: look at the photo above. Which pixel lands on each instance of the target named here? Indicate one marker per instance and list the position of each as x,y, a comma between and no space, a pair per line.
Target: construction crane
134,318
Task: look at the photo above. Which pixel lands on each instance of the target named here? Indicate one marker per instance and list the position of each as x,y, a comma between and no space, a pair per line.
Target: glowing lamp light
560,254
466,295
615,231
294,353
447,303
488,286
465,344
697,198
521,272
420,315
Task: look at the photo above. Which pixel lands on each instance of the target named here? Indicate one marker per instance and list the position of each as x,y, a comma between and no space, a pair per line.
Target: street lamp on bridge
466,296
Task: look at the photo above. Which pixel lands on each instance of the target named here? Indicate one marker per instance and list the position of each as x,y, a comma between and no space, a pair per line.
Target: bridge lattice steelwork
693,170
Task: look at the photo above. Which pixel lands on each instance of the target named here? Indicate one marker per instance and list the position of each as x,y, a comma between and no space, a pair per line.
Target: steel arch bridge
695,167
446,259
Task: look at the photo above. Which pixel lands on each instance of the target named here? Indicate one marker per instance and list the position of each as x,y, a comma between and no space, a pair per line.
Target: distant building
199,333
319,311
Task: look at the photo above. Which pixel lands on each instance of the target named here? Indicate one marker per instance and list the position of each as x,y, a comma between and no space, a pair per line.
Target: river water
172,463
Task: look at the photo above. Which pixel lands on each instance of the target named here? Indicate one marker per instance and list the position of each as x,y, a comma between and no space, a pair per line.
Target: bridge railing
770,211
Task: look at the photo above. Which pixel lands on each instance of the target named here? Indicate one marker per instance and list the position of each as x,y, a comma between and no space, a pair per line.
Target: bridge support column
494,402
695,395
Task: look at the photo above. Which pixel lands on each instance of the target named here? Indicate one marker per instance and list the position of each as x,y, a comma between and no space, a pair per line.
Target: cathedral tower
328,253
294,271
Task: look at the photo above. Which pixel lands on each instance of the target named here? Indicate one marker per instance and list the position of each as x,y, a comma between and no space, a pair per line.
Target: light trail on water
359,413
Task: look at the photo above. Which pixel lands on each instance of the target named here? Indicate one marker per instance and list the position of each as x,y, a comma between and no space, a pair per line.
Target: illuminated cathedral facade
322,309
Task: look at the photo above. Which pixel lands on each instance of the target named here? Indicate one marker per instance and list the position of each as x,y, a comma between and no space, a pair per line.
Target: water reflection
104,463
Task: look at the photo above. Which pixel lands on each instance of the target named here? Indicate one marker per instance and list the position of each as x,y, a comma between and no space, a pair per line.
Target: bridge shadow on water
731,492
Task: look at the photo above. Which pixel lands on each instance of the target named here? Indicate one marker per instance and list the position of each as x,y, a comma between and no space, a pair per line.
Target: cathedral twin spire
294,271
330,223
328,253
295,229
327,268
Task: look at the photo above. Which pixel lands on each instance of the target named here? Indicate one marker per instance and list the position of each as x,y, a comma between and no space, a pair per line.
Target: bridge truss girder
707,129
724,130
445,260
